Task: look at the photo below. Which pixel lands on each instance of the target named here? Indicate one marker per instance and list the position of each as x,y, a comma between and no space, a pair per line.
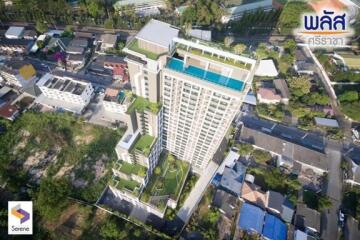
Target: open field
58,145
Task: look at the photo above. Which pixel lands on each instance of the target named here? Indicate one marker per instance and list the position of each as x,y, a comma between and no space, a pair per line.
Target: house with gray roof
307,220
352,157
233,178
287,142
279,205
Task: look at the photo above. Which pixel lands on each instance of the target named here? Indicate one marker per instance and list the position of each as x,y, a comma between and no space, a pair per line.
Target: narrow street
321,72
329,222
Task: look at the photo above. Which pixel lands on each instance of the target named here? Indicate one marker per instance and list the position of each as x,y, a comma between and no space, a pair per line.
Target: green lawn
141,104
169,181
144,144
134,46
127,184
136,169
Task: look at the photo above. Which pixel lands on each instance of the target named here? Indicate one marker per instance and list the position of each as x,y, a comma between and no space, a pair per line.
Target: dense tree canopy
203,13
299,86
290,16
52,197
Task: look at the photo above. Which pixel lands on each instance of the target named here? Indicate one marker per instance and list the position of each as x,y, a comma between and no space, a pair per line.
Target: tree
68,31
324,202
262,51
110,230
41,26
94,8
109,23
52,197
290,16
316,98
245,149
228,41
40,44
239,48
157,170
290,46
349,96
261,156
299,86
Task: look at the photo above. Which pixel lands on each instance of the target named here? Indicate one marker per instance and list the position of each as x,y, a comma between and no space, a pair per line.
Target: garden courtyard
166,182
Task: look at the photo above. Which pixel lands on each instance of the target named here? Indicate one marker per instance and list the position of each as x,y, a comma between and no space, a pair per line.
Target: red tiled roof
269,94
118,71
318,6
8,110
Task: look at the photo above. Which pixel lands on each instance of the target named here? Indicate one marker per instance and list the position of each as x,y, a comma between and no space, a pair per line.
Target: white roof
14,32
266,68
326,122
201,34
158,33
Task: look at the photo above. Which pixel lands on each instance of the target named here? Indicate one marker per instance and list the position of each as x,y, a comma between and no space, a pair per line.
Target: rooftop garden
123,184
134,46
136,169
167,181
141,104
144,144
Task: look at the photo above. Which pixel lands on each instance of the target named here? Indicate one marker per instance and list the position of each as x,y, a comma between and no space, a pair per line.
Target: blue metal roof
251,218
274,228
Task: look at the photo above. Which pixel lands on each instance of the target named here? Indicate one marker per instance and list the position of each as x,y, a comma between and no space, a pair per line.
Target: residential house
142,7
303,63
108,41
326,122
30,35
282,87
75,61
11,46
307,220
233,178
252,193
15,32
8,111
236,11
268,96
353,159
251,218
226,203
274,228
279,205
266,68
288,143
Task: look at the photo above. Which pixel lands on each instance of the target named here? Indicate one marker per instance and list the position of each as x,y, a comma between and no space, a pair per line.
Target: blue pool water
178,65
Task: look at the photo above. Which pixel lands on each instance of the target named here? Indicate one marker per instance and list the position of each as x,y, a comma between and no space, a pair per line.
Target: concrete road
329,219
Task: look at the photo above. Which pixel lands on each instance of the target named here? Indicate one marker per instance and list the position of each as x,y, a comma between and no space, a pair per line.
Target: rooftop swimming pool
178,65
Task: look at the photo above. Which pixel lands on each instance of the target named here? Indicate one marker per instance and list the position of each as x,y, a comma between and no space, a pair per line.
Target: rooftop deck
178,65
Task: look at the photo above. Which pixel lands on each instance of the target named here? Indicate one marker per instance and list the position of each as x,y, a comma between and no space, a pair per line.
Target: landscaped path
197,192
